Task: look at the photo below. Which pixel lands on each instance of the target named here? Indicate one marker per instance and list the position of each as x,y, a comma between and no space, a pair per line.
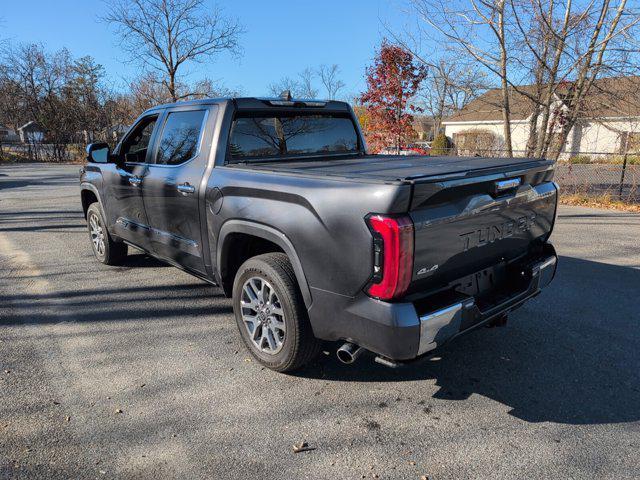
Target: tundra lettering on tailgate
491,233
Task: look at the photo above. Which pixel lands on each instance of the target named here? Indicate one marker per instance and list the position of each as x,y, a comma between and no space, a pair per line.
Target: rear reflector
393,256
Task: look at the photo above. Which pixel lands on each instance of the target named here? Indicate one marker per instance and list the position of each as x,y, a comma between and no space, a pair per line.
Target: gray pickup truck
278,203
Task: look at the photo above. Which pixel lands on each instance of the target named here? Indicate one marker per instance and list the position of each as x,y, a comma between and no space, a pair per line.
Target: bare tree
119,112
285,83
569,48
329,76
85,95
41,79
12,111
166,34
209,88
307,90
606,35
559,47
148,90
303,86
541,55
448,87
64,96
475,30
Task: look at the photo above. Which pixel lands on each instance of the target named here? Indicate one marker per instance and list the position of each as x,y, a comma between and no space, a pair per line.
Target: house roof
423,123
613,97
609,97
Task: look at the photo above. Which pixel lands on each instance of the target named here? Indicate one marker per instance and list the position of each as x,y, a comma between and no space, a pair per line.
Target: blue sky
282,37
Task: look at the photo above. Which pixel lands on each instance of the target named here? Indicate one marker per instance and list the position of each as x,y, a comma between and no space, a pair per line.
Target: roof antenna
286,95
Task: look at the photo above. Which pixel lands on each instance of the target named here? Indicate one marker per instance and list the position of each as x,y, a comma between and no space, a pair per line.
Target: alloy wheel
97,234
262,315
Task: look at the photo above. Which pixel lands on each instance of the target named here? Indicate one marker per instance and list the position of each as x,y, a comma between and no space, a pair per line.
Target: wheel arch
232,228
88,195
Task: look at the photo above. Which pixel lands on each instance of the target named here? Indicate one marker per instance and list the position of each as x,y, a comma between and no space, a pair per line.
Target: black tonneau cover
398,167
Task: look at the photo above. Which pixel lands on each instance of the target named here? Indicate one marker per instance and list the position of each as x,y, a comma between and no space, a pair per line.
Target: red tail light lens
393,255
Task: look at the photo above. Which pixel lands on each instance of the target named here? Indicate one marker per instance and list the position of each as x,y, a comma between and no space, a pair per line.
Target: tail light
393,256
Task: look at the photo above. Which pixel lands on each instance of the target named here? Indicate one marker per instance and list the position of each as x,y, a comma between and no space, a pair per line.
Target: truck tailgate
465,225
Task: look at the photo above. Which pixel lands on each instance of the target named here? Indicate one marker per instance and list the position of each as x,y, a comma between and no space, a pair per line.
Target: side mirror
98,153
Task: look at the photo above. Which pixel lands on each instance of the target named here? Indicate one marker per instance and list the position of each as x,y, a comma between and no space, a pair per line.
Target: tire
105,249
297,346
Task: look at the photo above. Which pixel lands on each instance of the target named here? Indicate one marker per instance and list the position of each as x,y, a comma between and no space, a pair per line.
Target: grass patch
579,159
8,157
619,159
599,201
602,159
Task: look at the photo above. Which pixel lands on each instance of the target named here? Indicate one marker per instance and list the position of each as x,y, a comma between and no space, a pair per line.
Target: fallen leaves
302,447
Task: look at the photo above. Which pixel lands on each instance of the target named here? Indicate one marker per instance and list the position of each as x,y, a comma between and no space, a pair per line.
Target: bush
478,141
441,145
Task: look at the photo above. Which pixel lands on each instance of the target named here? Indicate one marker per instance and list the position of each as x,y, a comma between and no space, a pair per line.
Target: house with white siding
31,132
8,135
609,123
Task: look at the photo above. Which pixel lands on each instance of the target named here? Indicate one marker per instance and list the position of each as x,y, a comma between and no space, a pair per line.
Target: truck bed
462,223
398,168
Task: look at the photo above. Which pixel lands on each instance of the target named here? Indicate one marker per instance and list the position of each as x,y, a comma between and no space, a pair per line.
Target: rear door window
180,137
292,135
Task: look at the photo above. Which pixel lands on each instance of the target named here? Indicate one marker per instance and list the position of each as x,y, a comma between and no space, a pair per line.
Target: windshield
258,136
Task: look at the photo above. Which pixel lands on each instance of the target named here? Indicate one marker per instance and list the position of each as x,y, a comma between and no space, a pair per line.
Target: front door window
134,147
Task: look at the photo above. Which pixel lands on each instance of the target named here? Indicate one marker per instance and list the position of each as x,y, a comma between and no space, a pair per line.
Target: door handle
186,188
135,181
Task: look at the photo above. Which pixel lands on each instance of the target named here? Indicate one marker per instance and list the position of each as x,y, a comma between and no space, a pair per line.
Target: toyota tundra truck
315,240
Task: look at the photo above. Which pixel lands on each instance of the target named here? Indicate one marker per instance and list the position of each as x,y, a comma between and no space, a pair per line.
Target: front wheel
105,249
271,315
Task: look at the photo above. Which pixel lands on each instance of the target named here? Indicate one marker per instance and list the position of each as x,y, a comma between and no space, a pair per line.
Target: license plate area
483,283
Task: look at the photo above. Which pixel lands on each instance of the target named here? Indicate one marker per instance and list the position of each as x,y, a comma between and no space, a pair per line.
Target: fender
268,233
94,189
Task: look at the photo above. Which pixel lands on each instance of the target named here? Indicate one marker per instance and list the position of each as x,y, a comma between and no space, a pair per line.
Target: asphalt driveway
138,371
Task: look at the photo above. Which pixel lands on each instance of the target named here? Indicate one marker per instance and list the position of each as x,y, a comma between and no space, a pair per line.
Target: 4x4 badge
426,270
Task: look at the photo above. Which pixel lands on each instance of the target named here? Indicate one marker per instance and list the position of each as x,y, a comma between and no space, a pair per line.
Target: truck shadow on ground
51,181
137,259
174,304
569,356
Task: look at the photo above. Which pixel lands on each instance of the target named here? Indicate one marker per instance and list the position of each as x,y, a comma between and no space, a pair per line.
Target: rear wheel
105,249
271,315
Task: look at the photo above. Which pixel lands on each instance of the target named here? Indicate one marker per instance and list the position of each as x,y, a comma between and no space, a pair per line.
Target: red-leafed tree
392,81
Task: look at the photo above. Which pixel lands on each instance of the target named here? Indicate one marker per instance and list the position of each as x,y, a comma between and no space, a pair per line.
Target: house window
629,142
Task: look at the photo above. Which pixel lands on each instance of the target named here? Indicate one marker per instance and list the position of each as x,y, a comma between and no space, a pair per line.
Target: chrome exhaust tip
349,352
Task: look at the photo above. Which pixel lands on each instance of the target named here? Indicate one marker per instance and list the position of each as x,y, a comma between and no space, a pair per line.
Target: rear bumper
404,331
441,325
